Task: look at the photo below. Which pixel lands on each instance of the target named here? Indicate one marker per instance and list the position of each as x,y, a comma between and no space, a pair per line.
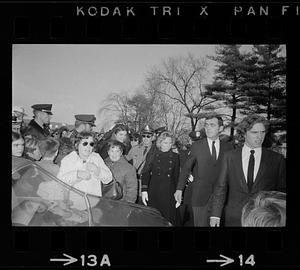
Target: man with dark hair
265,209
38,126
204,162
246,171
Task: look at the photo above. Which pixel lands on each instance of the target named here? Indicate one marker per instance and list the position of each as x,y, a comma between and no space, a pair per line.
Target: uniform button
170,161
170,168
168,175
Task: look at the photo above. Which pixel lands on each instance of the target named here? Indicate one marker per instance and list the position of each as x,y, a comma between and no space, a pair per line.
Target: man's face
147,139
45,117
121,136
255,136
81,127
88,127
212,128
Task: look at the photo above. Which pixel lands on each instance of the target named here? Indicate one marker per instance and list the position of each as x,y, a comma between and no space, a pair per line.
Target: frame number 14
249,260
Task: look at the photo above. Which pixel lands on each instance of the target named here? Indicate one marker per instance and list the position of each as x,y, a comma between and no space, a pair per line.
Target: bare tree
180,80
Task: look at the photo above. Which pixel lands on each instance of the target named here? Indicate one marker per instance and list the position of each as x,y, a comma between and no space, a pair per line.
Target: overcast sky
77,78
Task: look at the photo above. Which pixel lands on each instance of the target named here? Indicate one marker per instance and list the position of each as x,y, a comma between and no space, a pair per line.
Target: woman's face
114,153
85,147
17,147
121,136
134,142
64,133
166,144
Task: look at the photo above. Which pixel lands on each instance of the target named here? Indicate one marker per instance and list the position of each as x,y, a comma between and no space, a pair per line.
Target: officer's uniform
138,155
34,129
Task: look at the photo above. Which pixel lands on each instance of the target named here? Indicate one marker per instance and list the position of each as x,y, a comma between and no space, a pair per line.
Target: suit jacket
271,175
36,131
205,171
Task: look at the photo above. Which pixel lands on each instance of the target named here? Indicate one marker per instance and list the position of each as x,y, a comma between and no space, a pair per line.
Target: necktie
250,170
145,150
214,152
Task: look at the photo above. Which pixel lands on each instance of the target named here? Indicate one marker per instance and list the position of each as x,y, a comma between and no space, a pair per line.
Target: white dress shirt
245,160
217,146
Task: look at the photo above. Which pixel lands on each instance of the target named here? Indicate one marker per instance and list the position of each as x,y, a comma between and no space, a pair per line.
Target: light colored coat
71,163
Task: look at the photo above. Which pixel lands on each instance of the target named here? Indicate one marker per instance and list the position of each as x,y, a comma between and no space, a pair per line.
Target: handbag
113,190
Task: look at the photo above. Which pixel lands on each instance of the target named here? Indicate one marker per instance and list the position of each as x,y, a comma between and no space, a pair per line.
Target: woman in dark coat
160,177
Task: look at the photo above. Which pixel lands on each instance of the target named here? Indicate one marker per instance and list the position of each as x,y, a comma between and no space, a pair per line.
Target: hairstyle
48,147
31,144
61,130
55,131
248,122
114,143
265,209
136,136
15,136
163,136
211,116
119,128
82,135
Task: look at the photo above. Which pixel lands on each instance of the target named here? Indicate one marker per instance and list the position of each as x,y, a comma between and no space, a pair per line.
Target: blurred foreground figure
266,209
18,114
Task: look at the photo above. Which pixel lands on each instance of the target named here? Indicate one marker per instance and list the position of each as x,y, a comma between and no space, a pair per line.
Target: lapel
239,165
262,166
221,152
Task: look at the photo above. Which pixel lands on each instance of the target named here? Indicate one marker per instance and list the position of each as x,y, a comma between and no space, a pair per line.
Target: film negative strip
160,23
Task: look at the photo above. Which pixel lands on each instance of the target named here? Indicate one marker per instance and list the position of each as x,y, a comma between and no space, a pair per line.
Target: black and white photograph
149,135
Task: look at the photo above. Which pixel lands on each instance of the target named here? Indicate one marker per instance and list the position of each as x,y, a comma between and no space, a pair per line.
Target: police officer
139,153
18,114
83,122
39,125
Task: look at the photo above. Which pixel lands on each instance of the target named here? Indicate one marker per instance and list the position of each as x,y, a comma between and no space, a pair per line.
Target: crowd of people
211,182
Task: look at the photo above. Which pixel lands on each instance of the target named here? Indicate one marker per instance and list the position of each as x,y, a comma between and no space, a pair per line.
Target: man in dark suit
246,171
204,162
38,127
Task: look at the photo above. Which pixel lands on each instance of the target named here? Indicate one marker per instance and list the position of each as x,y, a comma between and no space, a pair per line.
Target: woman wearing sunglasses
84,169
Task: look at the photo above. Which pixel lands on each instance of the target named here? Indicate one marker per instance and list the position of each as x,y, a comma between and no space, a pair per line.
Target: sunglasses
86,143
147,136
134,140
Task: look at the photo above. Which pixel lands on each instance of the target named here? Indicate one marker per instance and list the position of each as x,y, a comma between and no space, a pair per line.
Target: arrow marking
67,260
225,262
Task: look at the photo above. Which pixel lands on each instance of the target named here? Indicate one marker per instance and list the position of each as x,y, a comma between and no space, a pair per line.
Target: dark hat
195,135
86,118
147,130
160,130
43,108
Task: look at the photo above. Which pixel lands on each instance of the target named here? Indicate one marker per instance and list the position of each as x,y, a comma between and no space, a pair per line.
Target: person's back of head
265,209
32,150
49,148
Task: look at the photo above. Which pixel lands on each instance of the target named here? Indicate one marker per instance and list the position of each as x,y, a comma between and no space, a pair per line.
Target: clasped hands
91,168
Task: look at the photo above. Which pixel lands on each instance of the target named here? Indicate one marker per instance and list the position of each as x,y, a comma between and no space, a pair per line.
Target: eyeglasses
86,143
147,136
